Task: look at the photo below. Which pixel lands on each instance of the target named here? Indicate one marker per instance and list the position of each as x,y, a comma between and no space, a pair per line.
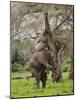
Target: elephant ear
41,42
34,60
43,57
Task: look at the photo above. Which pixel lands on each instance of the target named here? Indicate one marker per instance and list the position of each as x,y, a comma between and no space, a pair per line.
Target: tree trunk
71,71
56,69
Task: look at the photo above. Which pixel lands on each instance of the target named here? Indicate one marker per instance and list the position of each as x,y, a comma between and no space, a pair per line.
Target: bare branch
61,23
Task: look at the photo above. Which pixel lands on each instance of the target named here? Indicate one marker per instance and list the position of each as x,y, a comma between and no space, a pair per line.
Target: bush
27,66
65,65
18,57
21,51
17,67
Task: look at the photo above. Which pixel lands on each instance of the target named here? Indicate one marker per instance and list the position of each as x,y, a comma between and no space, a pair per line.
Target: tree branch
61,23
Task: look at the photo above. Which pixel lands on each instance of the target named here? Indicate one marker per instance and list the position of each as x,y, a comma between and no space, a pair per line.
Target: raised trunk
47,26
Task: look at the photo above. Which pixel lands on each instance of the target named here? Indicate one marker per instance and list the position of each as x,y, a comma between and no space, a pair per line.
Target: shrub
65,67
27,66
66,64
17,67
21,51
18,57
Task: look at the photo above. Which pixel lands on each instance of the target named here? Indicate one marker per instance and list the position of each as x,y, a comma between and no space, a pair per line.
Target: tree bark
56,69
71,71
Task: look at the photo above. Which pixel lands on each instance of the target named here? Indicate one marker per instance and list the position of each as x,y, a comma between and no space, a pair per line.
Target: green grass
26,88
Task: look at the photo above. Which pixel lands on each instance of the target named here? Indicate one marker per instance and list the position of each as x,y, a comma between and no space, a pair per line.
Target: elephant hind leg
43,84
43,79
36,74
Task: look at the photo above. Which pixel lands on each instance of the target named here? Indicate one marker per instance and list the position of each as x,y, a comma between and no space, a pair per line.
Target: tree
27,21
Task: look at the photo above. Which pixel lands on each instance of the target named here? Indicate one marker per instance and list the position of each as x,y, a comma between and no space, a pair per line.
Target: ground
26,88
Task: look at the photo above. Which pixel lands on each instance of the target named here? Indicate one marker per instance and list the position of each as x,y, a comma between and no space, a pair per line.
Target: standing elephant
39,66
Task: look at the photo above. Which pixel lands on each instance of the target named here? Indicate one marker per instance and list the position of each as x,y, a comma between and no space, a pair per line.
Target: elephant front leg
44,78
43,84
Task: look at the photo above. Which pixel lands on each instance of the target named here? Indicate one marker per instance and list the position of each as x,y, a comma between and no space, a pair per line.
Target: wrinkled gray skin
39,64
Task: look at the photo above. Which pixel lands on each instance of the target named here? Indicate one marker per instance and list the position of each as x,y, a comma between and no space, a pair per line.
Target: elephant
39,66
41,42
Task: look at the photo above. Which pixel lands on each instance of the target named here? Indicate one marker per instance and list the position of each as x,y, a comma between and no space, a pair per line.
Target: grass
26,88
